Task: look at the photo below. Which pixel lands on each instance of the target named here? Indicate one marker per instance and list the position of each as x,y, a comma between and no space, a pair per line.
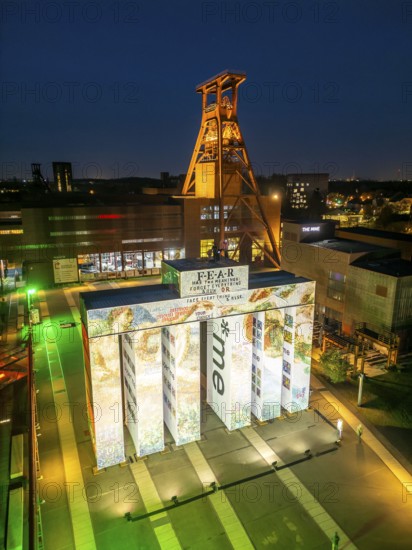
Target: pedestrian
359,431
335,541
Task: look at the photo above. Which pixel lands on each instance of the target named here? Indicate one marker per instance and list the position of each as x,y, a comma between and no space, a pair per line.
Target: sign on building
65,270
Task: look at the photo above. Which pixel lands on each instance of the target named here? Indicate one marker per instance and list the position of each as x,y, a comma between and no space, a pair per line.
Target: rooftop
348,246
377,233
393,267
101,299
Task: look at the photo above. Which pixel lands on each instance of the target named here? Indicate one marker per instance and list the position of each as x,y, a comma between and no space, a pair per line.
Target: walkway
312,507
79,509
368,438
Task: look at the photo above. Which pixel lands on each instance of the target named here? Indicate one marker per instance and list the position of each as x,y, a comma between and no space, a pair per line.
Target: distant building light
110,216
131,241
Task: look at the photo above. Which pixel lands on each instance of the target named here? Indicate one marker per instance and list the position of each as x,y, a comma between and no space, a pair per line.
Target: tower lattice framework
220,168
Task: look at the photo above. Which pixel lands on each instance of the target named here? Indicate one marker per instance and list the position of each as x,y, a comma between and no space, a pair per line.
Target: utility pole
360,389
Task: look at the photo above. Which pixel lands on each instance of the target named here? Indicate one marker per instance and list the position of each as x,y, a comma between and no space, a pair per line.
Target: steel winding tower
220,168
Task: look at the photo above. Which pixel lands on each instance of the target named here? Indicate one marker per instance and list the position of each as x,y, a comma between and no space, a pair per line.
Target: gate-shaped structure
247,338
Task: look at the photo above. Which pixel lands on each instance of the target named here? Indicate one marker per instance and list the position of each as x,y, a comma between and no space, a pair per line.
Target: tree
334,365
367,210
385,216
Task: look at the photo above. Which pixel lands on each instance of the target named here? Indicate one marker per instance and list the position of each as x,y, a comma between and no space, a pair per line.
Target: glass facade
117,262
336,286
206,246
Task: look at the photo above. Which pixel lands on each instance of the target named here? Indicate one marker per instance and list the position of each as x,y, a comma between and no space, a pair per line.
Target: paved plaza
230,494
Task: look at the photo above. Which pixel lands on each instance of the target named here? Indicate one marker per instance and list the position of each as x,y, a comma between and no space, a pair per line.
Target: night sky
110,86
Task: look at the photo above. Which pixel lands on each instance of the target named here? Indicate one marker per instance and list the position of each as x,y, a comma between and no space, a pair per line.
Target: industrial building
358,285
119,240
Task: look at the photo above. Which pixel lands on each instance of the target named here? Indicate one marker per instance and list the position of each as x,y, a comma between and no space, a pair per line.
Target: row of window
84,232
206,246
336,286
212,212
123,261
80,217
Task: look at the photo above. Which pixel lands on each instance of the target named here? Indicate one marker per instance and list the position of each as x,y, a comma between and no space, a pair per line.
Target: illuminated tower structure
63,176
222,198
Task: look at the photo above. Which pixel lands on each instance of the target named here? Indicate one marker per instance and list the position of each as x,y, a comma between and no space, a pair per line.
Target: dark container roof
101,299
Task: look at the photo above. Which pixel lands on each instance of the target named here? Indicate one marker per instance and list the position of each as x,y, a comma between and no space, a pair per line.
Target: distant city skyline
110,87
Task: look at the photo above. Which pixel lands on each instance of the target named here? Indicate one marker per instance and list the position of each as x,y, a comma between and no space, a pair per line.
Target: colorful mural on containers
258,353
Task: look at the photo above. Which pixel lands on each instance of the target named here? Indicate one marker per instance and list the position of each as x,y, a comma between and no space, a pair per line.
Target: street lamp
339,425
360,389
30,293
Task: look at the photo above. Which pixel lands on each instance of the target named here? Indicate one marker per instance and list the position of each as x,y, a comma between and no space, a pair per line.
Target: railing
378,334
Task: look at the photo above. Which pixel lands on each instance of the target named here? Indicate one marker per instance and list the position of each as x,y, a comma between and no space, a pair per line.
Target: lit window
205,246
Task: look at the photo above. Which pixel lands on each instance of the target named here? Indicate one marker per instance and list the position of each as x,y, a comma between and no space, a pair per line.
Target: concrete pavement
333,492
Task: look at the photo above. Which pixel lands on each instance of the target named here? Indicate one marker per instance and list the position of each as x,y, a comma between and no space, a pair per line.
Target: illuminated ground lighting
339,425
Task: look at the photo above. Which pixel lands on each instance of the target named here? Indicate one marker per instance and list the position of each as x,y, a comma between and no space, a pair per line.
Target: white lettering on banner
213,281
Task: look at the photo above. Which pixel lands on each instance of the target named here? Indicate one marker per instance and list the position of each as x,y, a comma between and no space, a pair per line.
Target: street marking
319,515
163,530
113,284
235,531
79,509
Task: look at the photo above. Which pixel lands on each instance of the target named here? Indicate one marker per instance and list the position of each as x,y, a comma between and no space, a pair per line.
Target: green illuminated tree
334,365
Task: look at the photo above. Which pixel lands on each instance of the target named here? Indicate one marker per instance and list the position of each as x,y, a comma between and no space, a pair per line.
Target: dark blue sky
110,86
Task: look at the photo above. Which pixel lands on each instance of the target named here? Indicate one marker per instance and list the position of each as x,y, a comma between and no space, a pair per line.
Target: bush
334,365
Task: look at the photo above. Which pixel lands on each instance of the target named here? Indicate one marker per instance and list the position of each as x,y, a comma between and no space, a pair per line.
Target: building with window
379,293
301,187
62,172
90,240
243,229
356,282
